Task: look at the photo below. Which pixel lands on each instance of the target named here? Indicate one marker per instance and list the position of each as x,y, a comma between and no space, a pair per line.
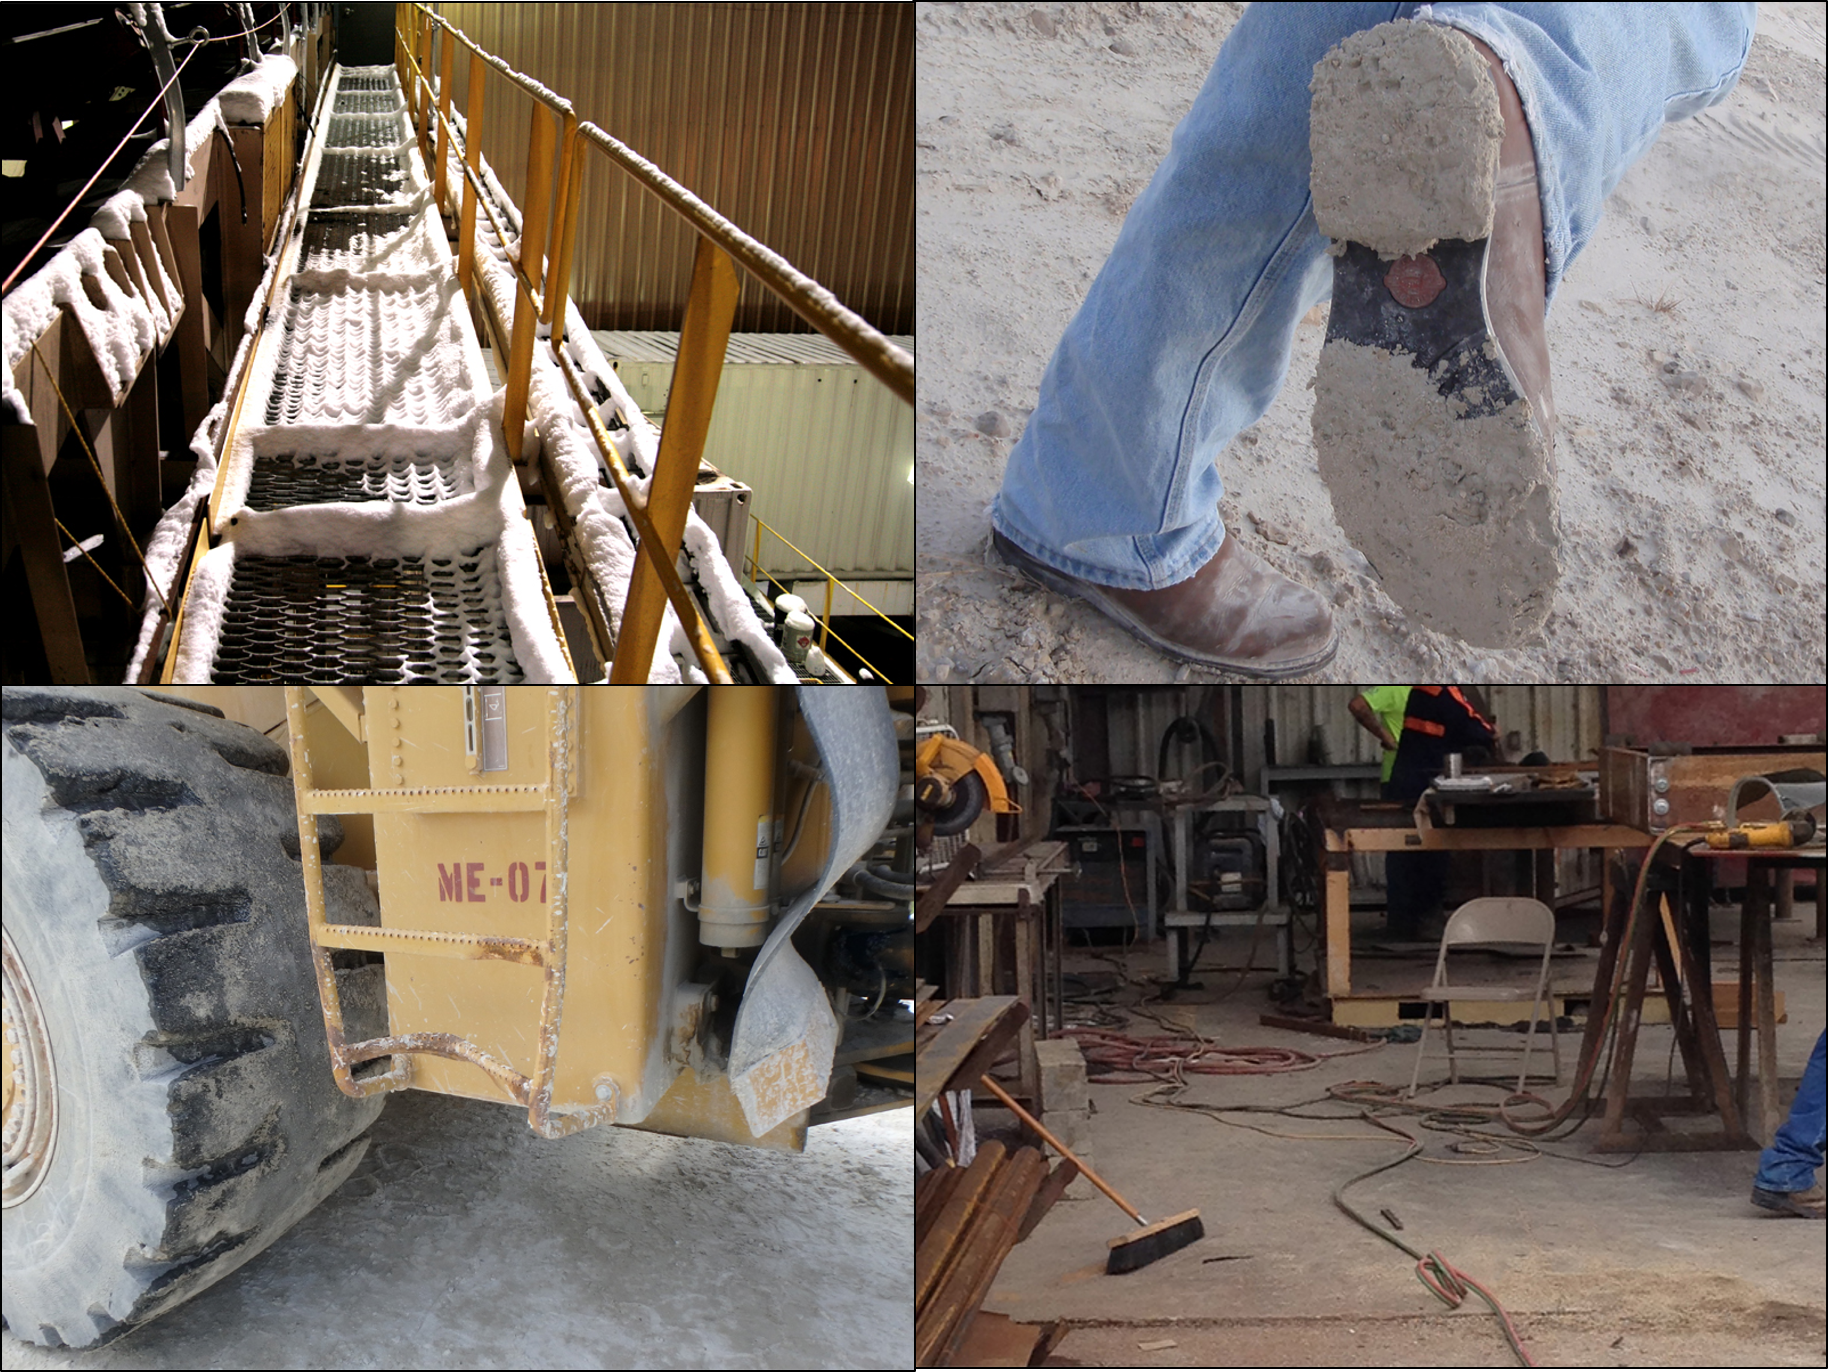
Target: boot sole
1073,588
1441,474
1783,1205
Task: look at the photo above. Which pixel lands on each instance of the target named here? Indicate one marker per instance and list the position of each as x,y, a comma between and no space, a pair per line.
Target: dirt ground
464,1240
1687,343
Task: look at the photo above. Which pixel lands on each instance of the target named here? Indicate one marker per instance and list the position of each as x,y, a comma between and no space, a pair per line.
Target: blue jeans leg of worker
1790,1163
1184,338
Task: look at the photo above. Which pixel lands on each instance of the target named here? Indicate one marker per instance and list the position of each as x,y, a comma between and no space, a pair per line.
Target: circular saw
953,782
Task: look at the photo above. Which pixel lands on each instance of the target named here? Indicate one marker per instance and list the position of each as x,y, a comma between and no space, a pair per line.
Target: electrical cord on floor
1119,1059
1432,1269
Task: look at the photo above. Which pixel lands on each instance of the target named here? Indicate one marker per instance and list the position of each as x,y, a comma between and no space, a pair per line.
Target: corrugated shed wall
794,120
827,448
1562,721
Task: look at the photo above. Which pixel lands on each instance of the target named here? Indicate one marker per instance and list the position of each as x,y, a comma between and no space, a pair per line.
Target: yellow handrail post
408,28
526,308
446,56
703,337
536,208
755,563
472,156
423,88
825,623
564,229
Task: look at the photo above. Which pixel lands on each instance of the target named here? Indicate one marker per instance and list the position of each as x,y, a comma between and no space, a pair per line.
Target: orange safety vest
1428,726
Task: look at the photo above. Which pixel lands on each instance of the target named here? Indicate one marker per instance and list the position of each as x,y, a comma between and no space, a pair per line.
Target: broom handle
1059,1147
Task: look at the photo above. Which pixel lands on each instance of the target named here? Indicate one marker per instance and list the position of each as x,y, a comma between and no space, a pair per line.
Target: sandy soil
1687,341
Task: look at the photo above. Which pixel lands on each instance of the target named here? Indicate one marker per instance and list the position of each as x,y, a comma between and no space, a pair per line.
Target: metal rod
445,56
889,364
687,609
466,234
760,525
703,337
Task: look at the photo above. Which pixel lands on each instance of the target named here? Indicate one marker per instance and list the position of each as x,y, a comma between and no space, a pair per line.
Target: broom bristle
1157,1240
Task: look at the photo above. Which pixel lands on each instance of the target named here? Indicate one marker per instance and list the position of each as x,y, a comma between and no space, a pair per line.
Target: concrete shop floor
1661,1262
464,1240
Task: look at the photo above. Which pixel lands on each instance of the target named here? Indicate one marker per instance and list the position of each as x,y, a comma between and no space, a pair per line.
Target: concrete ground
466,1241
1660,1261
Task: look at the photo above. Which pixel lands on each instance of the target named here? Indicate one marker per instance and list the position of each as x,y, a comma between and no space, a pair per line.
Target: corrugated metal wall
794,120
827,448
1562,721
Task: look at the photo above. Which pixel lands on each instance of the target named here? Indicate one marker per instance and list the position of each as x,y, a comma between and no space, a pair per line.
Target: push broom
1133,1250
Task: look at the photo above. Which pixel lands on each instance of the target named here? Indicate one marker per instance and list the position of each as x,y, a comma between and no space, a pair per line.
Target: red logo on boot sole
1415,281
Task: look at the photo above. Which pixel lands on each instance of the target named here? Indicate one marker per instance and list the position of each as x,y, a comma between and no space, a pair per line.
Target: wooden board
959,1051
898,1070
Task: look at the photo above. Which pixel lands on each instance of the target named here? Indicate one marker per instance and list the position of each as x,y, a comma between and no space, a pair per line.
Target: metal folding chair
1515,920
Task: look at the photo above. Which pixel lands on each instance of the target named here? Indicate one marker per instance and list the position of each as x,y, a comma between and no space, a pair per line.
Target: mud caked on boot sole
1434,439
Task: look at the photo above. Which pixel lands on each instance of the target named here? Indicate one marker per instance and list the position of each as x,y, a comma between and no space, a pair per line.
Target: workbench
1387,827
1677,941
999,932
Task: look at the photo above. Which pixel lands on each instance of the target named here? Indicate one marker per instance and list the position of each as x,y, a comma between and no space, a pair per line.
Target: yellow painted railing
752,567
542,270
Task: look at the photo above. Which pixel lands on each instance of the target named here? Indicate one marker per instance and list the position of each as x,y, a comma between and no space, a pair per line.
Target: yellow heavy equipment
237,917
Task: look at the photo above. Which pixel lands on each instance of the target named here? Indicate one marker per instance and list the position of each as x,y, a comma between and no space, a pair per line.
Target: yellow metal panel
489,874
706,1108
337,760
477,873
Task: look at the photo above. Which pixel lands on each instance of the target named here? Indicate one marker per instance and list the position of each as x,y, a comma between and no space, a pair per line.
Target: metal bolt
1659,806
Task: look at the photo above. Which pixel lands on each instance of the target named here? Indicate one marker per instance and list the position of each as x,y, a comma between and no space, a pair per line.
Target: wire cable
157,100
195,44
120,518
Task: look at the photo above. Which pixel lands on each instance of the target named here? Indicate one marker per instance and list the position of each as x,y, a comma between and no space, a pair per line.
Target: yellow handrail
755,570
542,269
831,577
543,300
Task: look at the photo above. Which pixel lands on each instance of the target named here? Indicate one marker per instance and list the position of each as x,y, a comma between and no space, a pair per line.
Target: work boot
1237,613
1809,1204
1433,419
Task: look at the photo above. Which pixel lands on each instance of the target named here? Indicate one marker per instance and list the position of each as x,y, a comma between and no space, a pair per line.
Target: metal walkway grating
382,620
359,177
284,479
368,102
363,131
372,356
361,428
351,240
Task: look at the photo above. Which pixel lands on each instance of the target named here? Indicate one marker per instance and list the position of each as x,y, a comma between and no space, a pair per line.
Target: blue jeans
1184,339
1790,1163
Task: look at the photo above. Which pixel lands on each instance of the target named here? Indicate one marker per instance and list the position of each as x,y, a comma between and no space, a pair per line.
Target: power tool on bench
1795,829
953,782
1799,792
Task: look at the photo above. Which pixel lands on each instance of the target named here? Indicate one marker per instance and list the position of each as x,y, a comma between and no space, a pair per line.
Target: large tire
155,906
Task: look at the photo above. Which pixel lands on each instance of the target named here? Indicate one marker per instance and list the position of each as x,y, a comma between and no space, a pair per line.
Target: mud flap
785,1036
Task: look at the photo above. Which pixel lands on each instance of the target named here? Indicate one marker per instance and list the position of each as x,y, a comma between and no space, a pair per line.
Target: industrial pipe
878,883
739,817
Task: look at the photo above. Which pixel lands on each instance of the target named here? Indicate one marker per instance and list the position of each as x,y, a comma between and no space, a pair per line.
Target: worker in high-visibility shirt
1437,720
1379,710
